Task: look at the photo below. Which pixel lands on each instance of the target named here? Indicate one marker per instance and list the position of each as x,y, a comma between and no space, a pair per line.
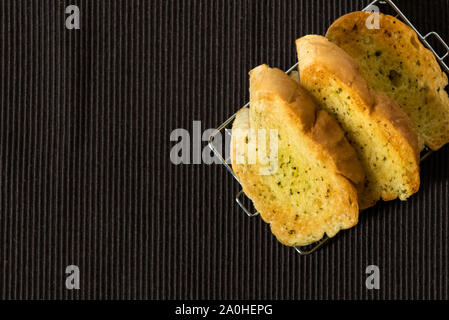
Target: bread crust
267,82
399,39
320,134
320,55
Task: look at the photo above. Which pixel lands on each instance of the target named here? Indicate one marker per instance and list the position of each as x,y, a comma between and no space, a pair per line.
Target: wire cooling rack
372,7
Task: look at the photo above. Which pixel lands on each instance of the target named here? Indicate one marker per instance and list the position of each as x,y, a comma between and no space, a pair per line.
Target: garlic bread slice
377,128
395,62
308,187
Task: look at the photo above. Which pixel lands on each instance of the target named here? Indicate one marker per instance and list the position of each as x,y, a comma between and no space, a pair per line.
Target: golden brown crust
386,109
278,97
395,120
320,55
320,51
330,137
267,83
324,130
314,50
403,42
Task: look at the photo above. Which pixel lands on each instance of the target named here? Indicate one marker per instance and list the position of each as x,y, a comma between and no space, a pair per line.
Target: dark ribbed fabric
86,177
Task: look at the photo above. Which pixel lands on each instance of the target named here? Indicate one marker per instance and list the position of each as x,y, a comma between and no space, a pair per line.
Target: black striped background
86,177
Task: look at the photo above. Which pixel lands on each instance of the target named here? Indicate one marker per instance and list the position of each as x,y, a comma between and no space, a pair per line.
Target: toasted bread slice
395,62
375,125
307,188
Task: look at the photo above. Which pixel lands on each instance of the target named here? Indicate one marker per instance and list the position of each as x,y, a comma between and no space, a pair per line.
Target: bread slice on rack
377,128
304,183
395,62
